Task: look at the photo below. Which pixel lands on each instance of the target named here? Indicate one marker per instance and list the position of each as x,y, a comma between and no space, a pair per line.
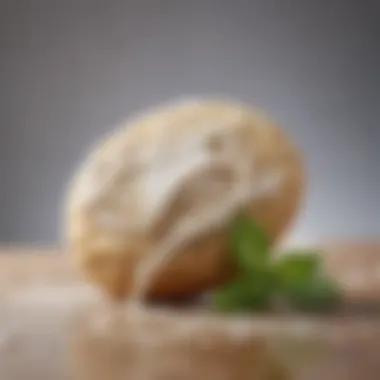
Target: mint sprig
249,244
243,294
298,277
317,293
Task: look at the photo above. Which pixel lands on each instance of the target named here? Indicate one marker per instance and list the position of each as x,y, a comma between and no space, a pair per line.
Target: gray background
70,70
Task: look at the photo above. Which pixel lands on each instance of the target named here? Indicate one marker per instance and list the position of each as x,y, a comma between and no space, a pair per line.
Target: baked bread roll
167,184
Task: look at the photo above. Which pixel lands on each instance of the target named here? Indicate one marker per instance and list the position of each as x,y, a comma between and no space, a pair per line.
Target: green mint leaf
297,267
247,293
316,293
249,244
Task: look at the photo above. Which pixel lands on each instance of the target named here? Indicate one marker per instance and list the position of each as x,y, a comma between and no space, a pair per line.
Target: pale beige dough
179,163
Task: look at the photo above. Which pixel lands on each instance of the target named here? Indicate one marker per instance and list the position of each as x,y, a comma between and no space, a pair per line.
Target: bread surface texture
193,161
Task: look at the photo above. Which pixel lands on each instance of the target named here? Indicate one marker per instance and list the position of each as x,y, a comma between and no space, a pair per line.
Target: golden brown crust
109,255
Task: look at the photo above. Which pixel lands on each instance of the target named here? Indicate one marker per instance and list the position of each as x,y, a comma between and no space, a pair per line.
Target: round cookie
193,163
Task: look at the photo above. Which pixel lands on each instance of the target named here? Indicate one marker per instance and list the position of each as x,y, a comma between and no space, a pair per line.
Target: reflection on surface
64,333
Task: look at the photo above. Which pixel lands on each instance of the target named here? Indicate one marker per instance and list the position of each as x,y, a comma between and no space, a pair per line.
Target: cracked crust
169,163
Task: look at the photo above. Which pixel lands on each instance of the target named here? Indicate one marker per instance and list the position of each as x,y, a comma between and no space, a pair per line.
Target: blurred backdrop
71,69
